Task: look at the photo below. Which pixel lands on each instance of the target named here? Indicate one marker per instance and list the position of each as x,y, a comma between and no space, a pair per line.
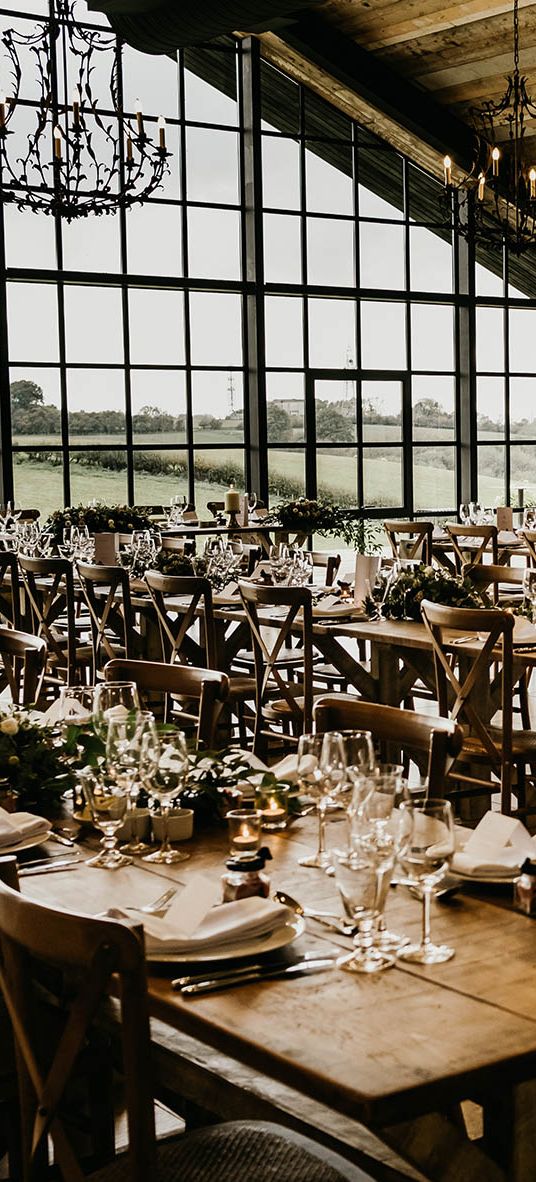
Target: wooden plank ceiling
459,53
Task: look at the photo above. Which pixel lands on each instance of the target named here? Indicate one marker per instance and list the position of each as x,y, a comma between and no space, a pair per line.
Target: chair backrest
410,539
23,660
482,543
49,584
10,607
194,595
489,579
207,688
23,514
86,952
293,613
110,611
468,677
438,739
215,507
329,563
528,537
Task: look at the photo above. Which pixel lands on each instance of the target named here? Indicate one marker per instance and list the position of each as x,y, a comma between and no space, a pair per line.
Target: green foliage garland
403,601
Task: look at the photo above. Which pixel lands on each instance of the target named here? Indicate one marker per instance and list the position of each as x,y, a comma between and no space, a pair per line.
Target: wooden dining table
397,1051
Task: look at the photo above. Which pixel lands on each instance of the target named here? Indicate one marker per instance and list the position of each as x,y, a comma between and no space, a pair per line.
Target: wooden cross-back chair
175,623
110,611
482,539
10,592
200,694
528,537
23,514
49,585
410,539
23,660
474,681
327,563
433,742
41,946
277,699
501,586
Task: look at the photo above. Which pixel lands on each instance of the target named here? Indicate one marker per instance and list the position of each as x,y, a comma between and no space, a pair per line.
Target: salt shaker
525,889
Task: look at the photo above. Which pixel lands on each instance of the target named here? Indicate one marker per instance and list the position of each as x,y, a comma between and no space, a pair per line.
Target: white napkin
498,846
227,926
524,632
14,827
332,605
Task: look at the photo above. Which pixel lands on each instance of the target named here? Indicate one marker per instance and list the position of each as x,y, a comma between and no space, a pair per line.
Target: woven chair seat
240,1151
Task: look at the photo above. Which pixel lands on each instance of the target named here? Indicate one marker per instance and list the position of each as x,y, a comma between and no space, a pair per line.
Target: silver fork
160,904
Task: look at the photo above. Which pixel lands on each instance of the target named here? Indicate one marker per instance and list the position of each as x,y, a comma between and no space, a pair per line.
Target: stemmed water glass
321,773
113,700
425,862
123,758
362,879
107,799
163,767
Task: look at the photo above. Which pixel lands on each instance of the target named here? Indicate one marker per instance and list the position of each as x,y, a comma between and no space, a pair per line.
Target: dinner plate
27,843
270,942
493,879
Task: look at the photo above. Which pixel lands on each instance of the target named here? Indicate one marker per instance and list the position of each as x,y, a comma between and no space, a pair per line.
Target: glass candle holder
244,830
273,806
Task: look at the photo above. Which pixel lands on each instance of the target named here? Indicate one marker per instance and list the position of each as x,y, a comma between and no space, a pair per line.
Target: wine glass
252,504
163,767
464,513
76,704
362,880
387,573
113,699
529,590
123,758
529,518
107,799
311,780
425,863
360,762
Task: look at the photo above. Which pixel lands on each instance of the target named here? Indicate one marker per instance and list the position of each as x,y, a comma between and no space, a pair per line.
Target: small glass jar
525,889
245,877
273,806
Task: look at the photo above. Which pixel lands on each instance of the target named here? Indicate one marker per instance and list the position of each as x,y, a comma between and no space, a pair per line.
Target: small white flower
9,726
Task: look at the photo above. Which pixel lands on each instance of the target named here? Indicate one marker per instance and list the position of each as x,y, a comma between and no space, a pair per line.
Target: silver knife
24,872
52,860
265,966
211,984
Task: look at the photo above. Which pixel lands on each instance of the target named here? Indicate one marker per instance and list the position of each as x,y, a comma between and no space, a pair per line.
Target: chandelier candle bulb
481,186
76,106
139,117
447,165
532,179
3,103
57,143
162,133
495,156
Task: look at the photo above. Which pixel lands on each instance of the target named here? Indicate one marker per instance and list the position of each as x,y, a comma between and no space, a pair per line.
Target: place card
366,569
189,909
500,832
505,518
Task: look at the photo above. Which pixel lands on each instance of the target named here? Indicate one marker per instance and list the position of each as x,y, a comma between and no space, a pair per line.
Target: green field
40,484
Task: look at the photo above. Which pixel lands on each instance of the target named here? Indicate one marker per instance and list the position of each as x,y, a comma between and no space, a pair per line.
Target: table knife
240,970
211,984
50,868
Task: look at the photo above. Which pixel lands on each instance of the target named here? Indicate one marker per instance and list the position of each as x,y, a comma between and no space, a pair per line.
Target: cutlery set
210,982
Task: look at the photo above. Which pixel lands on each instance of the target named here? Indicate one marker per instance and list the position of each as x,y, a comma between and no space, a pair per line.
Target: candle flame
272,804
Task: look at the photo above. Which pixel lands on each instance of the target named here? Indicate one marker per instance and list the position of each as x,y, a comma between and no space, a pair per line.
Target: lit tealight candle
495,156
245,839
532,179
447,166
57,142
244,830
162,133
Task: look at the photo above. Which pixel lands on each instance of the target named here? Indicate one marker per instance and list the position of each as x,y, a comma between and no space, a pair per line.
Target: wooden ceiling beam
346,68
393,24
458,47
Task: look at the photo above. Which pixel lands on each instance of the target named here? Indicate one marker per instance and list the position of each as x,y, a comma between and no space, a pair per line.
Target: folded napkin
226,926
524,632
15,827
332,605
498,846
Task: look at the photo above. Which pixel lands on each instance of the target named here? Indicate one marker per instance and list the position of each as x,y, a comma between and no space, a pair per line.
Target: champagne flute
113,699
163,767
425,862
123,757
107,799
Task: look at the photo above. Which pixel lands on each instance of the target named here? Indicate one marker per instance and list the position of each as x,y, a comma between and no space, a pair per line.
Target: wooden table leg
510,1130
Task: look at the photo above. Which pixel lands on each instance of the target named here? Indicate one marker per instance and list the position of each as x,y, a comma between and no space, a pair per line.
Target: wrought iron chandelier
501,187
83,155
